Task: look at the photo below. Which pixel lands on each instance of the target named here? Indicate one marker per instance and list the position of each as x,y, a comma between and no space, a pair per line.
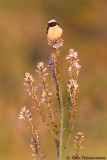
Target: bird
54,30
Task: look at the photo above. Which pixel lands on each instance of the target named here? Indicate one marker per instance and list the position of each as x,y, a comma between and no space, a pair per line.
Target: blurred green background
23,43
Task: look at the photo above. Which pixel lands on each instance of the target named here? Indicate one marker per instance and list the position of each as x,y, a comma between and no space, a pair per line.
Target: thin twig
52,132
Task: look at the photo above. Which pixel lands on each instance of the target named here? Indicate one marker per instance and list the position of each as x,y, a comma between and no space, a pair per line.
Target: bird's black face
52,24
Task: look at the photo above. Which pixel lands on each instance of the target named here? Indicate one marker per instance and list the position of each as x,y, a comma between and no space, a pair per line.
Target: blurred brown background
23,43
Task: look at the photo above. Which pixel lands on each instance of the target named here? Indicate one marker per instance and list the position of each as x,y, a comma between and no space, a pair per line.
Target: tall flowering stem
73,88
36,147
79,138
47,97
54,62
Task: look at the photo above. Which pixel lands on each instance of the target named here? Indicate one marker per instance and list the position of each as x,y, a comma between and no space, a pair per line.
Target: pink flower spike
76,64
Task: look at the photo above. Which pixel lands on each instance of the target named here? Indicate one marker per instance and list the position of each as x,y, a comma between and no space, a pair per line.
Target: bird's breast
54,33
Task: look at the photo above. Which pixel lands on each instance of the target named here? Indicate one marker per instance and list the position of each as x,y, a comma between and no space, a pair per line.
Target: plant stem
60,101
61,131
61,136
52,132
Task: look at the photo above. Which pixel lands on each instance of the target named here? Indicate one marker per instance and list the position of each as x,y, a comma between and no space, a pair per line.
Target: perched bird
54,31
